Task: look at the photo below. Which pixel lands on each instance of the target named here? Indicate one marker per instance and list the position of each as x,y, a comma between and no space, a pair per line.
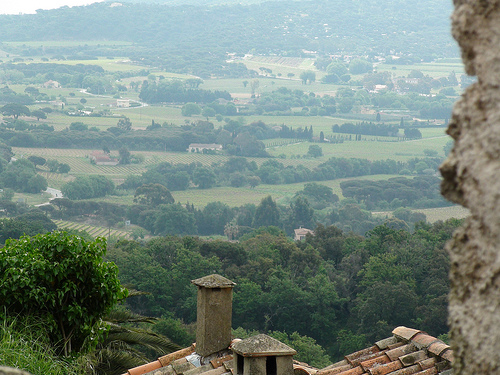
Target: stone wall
12,371
472,178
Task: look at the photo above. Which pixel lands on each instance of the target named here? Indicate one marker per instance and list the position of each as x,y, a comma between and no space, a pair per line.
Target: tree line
238,172
176,92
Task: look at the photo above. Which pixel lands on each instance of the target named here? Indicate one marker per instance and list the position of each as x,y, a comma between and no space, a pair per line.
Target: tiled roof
187,362
408,351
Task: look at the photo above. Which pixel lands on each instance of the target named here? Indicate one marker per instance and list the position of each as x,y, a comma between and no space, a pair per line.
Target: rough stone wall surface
472,178
12,371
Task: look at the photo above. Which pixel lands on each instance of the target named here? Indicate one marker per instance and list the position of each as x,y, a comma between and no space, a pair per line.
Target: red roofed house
101,158
300,233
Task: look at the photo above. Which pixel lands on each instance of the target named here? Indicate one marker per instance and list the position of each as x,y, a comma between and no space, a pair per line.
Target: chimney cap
213,281
261,346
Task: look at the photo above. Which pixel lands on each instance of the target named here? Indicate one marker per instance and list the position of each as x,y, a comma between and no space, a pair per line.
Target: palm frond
118,316
116,362
138,336
134,292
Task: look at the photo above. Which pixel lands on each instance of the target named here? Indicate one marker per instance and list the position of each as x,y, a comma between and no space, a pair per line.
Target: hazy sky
29,6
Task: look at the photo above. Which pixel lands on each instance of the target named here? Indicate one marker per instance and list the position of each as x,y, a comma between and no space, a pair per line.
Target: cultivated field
281,65
435,69
94,231
435,214
235,197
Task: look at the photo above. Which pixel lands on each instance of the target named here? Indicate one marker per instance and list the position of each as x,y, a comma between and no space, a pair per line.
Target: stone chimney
213,327
262,355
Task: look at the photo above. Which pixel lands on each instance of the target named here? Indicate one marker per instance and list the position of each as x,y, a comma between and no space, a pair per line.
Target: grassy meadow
435,214
434,69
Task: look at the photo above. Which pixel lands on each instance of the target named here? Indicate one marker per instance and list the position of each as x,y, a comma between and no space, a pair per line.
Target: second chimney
214,311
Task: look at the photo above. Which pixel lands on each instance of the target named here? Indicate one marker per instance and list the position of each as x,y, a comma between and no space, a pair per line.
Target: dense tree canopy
328,287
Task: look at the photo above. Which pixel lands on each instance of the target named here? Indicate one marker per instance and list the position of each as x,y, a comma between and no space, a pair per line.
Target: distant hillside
190,38
328,26
202,2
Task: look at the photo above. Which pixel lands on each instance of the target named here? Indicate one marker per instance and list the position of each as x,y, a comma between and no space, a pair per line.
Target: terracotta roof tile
383,344
429,371
412,358
407,370
448,355
182,367
198,370
374,362
216,371
427,363
405,333
342,363
361,354
387,368
396,345
300,371
148,367
394,354
217,362
179,361
437,348
367,357
335,370
169,358
163,371
301,366
423,340
354,371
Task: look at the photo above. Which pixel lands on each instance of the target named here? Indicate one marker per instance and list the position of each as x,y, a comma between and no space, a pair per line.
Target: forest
328,287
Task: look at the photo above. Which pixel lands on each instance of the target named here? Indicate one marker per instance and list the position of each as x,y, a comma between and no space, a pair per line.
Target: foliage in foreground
25,345
125,344
62,280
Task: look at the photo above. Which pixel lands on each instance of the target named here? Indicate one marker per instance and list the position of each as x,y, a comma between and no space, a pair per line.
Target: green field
371,149
435,214
235,197
31,199
267,84
281,65
433,69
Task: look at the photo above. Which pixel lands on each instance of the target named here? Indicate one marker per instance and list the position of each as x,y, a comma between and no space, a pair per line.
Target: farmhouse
51,84
101,158
122,103
300,233
200,147
407,351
